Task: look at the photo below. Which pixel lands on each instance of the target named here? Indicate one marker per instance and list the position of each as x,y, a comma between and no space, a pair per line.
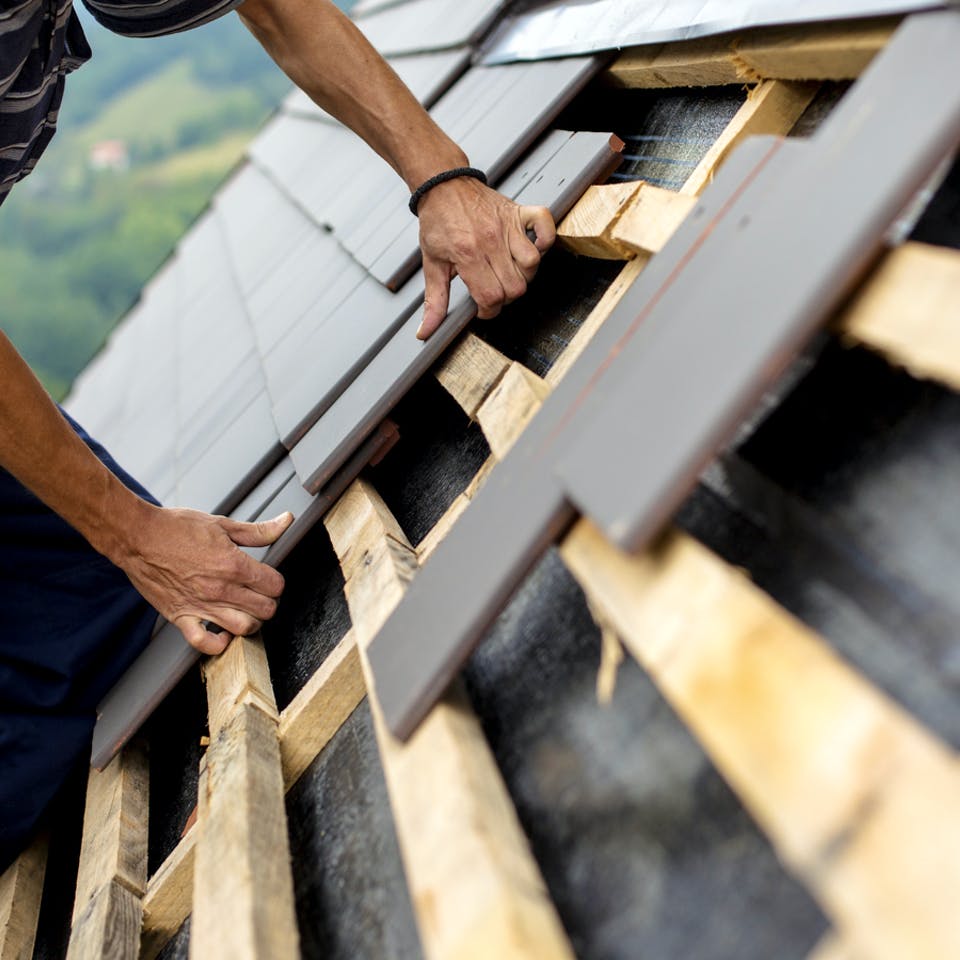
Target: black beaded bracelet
428,185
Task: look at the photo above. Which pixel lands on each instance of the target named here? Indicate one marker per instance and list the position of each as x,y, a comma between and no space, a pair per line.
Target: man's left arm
465,227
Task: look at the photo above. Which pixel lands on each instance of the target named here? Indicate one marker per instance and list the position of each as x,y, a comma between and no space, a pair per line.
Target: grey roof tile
426,74
236,459
424,25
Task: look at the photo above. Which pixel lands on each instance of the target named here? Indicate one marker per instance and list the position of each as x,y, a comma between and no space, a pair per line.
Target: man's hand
471,230
190,568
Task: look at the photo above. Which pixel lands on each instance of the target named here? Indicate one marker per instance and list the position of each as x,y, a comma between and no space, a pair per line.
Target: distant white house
109,155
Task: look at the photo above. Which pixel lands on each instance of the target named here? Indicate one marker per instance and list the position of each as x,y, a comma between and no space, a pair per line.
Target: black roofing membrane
311,618
173,734
351,897
645,850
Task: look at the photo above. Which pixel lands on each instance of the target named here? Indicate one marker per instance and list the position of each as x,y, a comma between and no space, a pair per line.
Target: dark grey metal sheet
255,502
427,75
233,462
318,275
311,161
168,657
196,436
631,465
564,167
338,347
425,25
261,227
524,504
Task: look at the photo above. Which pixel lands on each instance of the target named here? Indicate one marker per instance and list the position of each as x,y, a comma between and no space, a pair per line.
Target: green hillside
77,244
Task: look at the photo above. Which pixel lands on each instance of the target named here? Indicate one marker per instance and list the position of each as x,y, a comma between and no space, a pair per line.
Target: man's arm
186,564
465,228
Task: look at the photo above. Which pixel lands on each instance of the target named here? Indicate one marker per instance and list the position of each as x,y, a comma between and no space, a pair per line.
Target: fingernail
421,329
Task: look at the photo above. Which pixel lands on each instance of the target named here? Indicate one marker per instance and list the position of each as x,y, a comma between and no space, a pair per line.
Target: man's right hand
189,566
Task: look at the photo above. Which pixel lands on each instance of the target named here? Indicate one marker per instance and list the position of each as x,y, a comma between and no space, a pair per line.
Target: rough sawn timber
21,887
837,51
112,874
859,799
243,887
475,887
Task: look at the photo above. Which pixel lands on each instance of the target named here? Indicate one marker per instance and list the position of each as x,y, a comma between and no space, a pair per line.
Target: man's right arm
186,564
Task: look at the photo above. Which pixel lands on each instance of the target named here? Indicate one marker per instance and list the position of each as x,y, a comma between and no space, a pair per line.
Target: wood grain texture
21,888
243,888
509,407
108,928
239,675
114,845
909,310
321,707
828,51
112,875
169,897
476,889
838,51
469,371
587,230
773,107
859,800
650,219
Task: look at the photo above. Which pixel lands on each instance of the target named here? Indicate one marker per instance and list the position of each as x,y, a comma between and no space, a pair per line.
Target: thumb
436,276
540,221
259,534
200,638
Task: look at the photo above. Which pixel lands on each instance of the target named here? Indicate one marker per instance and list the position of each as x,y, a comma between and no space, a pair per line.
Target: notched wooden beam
837,51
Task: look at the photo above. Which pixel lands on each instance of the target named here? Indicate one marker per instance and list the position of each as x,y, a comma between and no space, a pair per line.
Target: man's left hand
469,230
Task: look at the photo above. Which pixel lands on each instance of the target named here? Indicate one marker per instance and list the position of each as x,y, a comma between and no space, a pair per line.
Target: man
86,555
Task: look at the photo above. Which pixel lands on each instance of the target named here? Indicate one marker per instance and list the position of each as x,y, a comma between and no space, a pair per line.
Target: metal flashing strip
742,234
167,657
562,29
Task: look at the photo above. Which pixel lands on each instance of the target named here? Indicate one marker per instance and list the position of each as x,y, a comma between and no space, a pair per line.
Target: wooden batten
21,889
772,107
859,800
243,887
475,888
509,407
321,707
112,874
909,311
651,219
837,51
587,230
169,897
469,370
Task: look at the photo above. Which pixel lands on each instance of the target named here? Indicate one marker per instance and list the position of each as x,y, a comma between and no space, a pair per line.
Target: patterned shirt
41,41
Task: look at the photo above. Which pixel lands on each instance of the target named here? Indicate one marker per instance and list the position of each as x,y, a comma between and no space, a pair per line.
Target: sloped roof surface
300,269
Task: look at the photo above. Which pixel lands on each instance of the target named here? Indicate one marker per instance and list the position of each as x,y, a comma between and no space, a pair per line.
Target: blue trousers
70,624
